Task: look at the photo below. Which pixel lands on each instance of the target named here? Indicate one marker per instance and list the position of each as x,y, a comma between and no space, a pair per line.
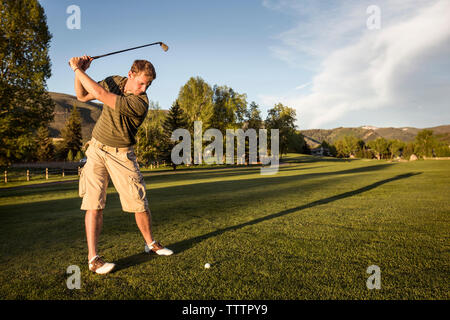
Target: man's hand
86,62
82,63
75,62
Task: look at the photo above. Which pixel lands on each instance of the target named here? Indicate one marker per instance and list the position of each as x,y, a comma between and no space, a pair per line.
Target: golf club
163,46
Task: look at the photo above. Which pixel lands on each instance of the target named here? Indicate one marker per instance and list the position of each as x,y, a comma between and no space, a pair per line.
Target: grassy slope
310,232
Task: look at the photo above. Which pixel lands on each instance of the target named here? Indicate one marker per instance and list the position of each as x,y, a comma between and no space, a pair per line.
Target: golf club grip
115,52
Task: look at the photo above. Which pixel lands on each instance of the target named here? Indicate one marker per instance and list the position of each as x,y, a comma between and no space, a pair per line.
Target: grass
308,232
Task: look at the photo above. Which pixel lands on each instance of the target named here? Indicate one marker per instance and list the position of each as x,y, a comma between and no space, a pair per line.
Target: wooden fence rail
37,174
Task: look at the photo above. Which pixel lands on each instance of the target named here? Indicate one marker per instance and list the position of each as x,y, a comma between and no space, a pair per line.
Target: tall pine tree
45,149
71,134
175,120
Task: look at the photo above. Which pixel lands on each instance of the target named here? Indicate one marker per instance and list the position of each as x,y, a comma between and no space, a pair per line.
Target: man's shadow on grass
188,243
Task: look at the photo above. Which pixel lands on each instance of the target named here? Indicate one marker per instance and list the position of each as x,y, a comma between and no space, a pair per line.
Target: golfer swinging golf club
110,153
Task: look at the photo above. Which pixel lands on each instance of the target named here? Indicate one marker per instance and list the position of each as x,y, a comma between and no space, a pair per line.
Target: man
110,153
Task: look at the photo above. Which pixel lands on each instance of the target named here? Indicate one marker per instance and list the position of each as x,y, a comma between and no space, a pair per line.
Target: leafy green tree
150,139
283,118
45,149
347,146
379,146
425,143
395,148
24,67
442,150
408,150
195,99
71,134
229,109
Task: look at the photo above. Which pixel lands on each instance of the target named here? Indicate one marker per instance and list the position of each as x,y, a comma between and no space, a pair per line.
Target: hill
367,133
89,112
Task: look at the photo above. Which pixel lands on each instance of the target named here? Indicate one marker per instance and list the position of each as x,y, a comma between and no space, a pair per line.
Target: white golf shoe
158,249
97,265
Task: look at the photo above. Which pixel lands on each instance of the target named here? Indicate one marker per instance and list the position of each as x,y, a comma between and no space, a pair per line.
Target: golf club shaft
115,52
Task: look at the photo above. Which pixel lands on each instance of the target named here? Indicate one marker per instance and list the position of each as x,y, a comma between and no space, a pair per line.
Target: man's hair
144,66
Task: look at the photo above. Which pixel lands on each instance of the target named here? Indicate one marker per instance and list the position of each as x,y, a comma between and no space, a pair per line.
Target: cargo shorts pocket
137,187
82,184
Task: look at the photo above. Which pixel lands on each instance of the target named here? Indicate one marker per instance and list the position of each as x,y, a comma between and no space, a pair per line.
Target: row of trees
218,107
425,145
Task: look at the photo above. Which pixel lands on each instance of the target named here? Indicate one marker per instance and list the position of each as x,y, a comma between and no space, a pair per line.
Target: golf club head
164,46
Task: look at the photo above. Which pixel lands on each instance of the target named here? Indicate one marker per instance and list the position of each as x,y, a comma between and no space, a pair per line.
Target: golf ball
207,265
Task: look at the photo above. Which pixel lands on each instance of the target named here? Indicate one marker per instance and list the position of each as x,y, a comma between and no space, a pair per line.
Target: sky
337,63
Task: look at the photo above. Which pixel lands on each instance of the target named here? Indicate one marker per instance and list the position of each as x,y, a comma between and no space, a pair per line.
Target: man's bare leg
144,223
93,221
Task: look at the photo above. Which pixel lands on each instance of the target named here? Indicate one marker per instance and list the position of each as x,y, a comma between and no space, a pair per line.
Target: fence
22,175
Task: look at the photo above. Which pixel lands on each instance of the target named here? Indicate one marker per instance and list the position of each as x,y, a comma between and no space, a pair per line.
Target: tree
150,138
175,120
379,146
346,147
283,118
395,148
253,117
71,134
297,143
442,150
195,99
24,67
229,109
425,143
408,150
45,149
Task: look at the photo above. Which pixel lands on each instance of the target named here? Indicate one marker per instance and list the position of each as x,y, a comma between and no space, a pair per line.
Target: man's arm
87,89
81,93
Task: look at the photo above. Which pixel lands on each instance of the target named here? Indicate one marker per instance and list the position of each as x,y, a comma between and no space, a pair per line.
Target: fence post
63,172
6,176
28,175
46,173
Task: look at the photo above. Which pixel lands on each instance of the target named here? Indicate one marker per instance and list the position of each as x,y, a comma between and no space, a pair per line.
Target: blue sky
318,57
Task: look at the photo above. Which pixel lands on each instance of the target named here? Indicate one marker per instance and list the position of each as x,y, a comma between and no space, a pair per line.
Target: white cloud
403,64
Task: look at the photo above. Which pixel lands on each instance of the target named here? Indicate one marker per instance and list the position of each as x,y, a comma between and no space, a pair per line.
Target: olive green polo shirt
118,127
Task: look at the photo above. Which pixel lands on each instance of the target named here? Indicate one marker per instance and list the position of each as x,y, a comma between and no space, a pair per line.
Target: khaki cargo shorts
121,165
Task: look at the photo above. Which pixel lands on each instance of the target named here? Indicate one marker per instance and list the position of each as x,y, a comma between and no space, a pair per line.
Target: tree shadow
189,243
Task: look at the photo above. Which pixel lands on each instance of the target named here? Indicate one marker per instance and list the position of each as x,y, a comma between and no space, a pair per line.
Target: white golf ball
207,265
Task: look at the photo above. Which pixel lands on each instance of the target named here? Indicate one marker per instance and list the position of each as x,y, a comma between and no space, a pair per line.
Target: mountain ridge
368,133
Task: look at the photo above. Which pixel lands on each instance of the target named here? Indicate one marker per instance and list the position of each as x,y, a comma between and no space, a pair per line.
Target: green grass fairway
308,232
